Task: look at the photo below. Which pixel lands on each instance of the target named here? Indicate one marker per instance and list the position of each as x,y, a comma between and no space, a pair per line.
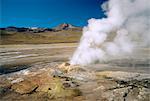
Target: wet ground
28,72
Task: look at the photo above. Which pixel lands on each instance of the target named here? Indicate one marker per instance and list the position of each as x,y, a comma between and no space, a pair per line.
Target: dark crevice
135,83
130,85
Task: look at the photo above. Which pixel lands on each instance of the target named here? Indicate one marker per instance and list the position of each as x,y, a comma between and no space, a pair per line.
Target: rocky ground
73,83
53,79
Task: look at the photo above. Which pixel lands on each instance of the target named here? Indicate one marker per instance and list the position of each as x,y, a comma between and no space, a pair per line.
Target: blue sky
48,13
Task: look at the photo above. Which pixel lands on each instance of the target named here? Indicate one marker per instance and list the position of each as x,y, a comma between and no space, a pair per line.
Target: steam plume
126,22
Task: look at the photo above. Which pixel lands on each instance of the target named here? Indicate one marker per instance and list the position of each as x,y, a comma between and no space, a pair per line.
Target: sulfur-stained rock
58,90
66,67
64,64
54,87
24,87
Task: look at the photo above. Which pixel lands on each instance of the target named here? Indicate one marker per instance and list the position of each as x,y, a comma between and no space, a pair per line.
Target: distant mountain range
66,26
63,33
60,27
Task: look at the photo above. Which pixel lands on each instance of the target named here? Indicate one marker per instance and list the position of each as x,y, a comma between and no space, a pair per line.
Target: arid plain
41,72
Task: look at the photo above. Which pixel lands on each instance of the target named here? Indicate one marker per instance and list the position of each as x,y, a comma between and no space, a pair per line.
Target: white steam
127,21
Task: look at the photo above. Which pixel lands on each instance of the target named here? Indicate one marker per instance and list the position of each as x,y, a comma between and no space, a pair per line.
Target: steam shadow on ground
5,69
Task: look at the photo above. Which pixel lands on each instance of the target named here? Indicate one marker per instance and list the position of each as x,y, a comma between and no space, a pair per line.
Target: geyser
127,21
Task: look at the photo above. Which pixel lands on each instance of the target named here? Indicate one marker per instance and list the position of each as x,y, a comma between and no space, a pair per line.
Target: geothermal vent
114,35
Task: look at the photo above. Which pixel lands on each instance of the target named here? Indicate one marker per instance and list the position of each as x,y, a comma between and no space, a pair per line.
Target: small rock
66,85
17,80
4,87
44,88
56,73
3,90
79,98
